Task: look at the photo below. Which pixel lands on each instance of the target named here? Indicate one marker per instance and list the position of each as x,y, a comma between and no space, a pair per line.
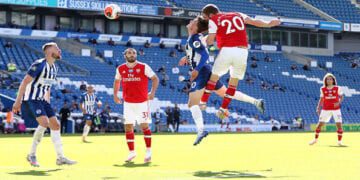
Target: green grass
263,155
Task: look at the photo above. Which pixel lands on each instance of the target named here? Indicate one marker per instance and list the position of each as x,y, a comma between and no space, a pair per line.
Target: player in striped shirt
87,105
34,92
197,57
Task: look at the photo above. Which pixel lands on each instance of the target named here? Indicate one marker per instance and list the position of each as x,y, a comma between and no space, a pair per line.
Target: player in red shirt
331,97
230,33
134,77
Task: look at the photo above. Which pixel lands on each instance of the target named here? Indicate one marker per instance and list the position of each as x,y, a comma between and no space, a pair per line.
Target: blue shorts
40,108
88,117
202,79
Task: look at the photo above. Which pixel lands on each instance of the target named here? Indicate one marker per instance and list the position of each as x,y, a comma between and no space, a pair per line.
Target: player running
197,57
87,105
230,32
34,92
331,97
134,76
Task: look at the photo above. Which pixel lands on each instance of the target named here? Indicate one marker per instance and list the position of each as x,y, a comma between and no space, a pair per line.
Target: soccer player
87,105
230,33
34,92
197,57
331,98
134,76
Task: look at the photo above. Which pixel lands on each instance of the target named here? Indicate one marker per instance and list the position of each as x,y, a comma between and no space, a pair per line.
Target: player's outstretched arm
261,23
116,87
154,86
17,105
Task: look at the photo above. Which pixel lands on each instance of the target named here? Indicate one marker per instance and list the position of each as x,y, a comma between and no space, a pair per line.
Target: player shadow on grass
35,172
227,174
343,146
133,165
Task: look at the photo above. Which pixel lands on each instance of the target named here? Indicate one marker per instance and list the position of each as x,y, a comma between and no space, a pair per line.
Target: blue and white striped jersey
196,52
44,76
89,101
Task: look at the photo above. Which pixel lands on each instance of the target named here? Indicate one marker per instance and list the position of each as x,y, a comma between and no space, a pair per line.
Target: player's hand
275,22
183,61
151,96
117,100
318,111
336,105
194,74
16,107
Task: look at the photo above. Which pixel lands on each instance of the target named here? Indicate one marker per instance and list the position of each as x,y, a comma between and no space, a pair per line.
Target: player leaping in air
331,97
197,57
230,33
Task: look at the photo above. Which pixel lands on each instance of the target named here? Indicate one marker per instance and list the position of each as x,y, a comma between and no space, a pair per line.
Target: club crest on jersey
33,68
131,70
38,111
196,44
137,70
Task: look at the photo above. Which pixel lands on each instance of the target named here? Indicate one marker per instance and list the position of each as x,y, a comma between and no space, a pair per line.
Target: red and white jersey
330,97
229,28
134,81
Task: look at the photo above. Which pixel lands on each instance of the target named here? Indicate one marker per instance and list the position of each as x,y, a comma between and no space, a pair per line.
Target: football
112,11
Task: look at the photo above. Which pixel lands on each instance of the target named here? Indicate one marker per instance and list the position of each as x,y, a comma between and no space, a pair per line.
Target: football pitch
230,156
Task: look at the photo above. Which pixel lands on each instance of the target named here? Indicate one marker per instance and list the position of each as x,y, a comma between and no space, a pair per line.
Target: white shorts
137,113
233,59
325,116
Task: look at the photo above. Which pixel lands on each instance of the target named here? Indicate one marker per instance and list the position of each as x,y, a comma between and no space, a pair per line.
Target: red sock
228,96
210,86
340,132
130,136
317,132
147,137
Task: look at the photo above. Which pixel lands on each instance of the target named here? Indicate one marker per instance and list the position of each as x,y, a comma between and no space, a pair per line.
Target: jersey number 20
234,22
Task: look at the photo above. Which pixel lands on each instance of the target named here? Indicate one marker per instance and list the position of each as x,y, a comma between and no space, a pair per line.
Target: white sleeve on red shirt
117,75
321,93
244,16
212,27
148,71
340,92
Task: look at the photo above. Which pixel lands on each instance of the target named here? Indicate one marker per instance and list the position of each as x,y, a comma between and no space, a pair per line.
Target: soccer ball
112,11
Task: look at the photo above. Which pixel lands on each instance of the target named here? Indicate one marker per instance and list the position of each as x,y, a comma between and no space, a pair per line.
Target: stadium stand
342,10
282,104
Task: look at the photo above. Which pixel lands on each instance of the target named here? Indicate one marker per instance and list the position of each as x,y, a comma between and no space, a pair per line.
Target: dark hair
210,9
334,81
202,25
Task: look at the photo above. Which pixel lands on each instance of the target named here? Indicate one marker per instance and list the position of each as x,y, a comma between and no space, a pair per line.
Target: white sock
56,139
243,97
171,128
38,134
198,118
86,130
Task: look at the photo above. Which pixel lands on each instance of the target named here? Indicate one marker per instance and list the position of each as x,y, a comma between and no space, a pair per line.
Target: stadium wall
329,51
347,42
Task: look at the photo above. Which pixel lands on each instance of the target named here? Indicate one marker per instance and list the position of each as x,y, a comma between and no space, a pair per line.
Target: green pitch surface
263,155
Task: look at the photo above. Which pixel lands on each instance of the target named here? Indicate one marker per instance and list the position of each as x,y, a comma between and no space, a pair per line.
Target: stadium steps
298,58
74,47
316,11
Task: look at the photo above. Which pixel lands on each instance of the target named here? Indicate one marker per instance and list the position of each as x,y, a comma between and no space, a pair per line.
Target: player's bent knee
129,128
144,126
43,121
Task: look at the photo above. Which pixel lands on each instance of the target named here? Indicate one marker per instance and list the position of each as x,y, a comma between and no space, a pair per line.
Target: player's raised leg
147,138
56,139
130,140
259,103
